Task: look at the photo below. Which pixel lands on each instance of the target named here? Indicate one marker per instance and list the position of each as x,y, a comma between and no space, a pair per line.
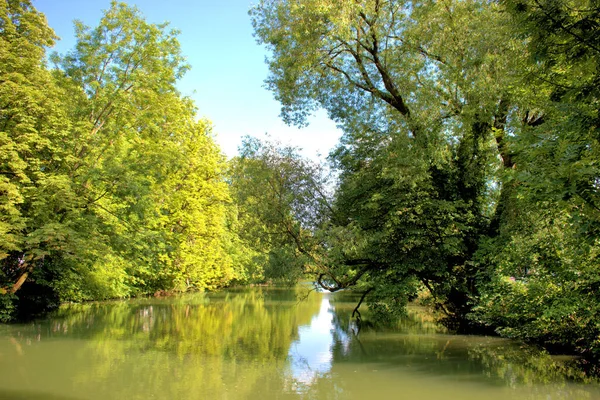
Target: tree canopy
111,185
467,175
467,169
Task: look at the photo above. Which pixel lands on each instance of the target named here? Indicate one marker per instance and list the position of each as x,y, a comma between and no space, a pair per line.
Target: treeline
468,173
110,186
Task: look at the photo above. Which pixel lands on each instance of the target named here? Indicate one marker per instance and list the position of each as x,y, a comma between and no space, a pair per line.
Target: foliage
468,166
424,105
544,283
35,190
110,185
281,200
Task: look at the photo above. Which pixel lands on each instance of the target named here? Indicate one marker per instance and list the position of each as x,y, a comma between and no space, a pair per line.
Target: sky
227,67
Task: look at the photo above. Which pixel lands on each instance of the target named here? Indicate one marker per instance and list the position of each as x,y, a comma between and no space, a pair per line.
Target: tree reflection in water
266,344
311,355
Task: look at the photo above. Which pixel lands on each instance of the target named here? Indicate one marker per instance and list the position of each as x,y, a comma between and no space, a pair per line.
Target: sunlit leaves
111,187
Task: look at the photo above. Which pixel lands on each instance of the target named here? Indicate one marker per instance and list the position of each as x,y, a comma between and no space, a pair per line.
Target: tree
111,185
427,109
151,174
193,207
33,187
469,161
544,278
282,201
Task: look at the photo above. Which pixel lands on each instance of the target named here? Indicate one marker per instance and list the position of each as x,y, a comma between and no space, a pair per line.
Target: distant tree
282,201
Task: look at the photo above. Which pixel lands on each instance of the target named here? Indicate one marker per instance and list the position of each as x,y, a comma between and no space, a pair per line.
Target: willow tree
426,95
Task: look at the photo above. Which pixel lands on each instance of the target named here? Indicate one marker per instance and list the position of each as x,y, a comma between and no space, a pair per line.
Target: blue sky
228,67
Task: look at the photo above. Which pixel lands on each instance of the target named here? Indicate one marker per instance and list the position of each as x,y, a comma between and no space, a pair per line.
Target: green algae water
266,343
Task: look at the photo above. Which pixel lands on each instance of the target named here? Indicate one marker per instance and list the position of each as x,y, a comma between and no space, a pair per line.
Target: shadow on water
418,341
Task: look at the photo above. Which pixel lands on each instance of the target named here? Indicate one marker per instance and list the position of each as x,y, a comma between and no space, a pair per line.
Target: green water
264,344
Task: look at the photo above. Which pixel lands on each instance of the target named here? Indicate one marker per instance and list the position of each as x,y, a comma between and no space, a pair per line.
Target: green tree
544,277
193,205
151,174
110,184
35,190
427,108
469,160
282,201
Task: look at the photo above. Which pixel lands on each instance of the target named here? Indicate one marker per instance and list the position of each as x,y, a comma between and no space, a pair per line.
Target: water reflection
311,355
265,344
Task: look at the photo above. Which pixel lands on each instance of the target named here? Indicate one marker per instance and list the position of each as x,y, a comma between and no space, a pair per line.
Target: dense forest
468,174
110,185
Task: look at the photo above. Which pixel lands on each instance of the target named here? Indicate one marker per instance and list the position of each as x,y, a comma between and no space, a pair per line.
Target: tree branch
362,298
565,28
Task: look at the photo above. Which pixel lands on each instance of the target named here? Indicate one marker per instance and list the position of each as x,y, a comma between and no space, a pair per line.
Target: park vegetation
469,164
468,174
110,186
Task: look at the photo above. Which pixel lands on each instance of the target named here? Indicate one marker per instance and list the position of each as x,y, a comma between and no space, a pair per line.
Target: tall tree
111,185
469,160
426,107
34,125
151,174
545,281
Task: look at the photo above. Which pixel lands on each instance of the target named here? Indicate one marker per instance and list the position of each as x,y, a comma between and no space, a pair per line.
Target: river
266,343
